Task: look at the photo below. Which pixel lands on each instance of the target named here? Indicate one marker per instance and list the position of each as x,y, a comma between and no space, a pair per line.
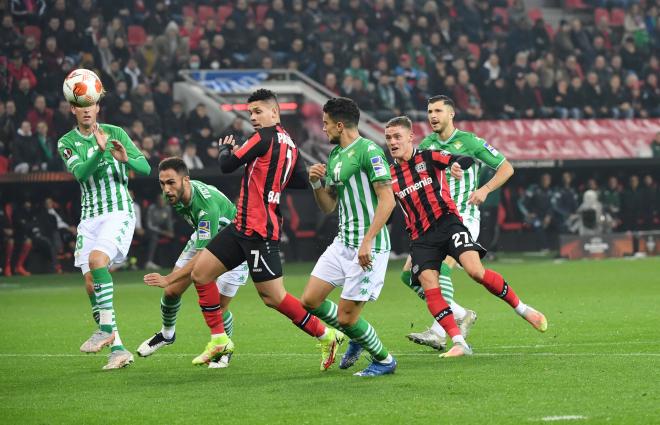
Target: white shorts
339,267
473,225
110,233
229,282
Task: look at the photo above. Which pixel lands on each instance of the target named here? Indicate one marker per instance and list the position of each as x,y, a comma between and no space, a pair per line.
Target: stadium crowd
495,58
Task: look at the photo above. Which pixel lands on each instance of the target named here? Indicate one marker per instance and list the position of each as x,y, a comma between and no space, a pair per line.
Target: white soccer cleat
221,363
151,345
118,359
467,322
458,350
97,341
536,319
429,338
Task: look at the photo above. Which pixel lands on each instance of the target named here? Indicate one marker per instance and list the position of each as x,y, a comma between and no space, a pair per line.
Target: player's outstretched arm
124,150
80,169
326,197
176,276
386,204
503,173
231,158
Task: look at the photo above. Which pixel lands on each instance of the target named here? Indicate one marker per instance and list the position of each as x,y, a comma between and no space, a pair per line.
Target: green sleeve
207,228
80,169
136,161
375,164
485,153
425,143
328,176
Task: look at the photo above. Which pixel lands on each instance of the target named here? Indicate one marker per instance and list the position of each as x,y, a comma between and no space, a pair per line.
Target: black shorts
263,256
448,236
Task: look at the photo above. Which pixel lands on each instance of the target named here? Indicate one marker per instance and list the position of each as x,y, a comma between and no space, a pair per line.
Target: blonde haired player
99,156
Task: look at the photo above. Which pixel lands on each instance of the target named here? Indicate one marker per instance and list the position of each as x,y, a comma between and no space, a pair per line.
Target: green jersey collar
353,143
82,135
450,137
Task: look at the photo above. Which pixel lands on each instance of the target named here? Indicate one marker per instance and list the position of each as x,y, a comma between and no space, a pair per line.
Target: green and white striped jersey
208,211
465,143
106,189
352,171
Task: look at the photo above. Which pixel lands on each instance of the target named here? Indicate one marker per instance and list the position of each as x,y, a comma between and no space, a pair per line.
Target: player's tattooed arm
382,183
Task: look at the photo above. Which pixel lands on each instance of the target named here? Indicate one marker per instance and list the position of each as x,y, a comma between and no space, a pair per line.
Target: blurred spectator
6,239
565,201
136,132
236,130
617,100
520,99
193,162
133,73
64,235
40,112
159,224
172,148
536,208
466,96
198,119
175,121
575,98
650,97
650,196
17,71
151,120
149,151
124,117
632,205
162,98
27,155
48,147
594,97
35,226
611,199
209,154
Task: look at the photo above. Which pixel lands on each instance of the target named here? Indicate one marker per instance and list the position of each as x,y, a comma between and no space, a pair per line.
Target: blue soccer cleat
377,368
351,356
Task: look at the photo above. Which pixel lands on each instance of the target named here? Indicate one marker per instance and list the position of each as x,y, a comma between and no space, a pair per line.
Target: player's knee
198,276
97,260
171,292
475,271
346,320
308,303
269,301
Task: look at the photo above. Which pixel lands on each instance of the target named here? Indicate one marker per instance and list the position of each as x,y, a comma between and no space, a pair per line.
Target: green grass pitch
599,362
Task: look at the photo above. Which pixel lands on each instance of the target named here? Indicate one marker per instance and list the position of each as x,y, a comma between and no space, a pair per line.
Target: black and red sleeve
255,146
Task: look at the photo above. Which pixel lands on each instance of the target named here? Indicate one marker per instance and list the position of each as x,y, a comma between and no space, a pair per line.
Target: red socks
22,256
291,308
441,312
209,301
496,285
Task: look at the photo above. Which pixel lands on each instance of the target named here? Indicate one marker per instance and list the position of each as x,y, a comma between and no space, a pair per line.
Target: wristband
316,185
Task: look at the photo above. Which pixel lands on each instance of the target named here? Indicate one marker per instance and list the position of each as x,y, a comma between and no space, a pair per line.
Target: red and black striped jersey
271,160
421,188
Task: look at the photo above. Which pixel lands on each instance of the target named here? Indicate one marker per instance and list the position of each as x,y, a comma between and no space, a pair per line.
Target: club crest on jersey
204,230
421,167
379,166
458,145
491,149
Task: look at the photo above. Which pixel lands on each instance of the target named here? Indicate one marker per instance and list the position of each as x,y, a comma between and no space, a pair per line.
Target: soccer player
100,157
467,198
436,229
358,182
271,163
208,211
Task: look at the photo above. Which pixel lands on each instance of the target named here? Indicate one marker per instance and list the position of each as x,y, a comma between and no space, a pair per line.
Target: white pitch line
406,354
563,418
577,344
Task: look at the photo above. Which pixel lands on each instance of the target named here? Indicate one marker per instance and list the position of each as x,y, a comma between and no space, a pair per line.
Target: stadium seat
204,13
223,13
260,13
575,4
600,13
33,31
535,14
617,17
475,50
136,35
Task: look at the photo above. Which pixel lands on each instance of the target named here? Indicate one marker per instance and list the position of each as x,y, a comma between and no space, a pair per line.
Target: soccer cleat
467,322
152,344
428,338
329,346
118,359
215,348
458,350
20,270
377,368
351,356
220,363
97,341
536,319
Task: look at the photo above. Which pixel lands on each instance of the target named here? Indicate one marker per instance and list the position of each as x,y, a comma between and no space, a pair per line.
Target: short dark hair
262,94
173,163
402,121
442,98
343,109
